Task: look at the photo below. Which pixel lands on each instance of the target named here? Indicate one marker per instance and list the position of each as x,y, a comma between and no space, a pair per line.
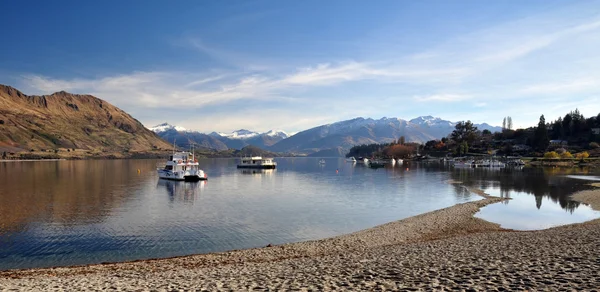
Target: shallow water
81,212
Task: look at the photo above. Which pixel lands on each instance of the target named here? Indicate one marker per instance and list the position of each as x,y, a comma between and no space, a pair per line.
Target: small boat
257,162
351,159
182,166
393,161
321,161
399,160
365,161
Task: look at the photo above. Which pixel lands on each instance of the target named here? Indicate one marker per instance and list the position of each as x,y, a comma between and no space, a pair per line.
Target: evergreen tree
503,124
509,123
541,140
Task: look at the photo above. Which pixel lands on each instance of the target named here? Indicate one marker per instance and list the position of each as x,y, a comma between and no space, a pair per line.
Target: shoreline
408,242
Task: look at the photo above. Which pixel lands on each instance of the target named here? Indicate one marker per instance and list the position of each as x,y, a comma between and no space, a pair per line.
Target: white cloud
560,86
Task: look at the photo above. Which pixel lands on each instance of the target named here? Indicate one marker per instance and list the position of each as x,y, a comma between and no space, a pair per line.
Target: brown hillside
70,121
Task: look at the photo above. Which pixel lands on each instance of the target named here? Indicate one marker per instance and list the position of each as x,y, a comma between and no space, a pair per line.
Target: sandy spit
441,250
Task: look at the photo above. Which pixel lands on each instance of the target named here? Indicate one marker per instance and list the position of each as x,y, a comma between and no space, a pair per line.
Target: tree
567,124
401,141
4,155
551,154
540,139
486,132
509,123
503,124
566,154
558,131
464,132
582,155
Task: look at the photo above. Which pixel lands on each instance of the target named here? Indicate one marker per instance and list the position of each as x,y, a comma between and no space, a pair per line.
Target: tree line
573,130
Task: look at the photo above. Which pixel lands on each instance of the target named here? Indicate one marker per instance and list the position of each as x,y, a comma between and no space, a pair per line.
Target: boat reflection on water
182,191
258,171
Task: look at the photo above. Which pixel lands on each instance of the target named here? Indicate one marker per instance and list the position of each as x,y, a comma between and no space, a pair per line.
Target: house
558,142
521,147
596,131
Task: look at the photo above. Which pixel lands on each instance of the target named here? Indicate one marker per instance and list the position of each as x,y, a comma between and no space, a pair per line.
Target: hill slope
65,120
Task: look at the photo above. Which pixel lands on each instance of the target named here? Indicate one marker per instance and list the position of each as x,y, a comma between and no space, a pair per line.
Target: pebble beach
447,249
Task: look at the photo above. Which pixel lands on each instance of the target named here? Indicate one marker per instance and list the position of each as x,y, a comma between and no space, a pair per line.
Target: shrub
560,151
566,154
551,154
594,145
582,155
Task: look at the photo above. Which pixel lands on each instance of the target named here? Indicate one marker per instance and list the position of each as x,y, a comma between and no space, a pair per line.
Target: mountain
241,134
218,141
166,127
184,138
358,131
342,135
62,121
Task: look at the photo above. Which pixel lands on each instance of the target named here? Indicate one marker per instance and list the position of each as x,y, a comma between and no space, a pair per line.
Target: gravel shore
446,249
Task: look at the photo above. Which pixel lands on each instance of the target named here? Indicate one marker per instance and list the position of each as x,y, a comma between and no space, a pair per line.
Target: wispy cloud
444,97
572,86
525,61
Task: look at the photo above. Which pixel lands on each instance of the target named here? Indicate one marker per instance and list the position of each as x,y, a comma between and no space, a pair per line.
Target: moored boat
351,159
257,162
182,166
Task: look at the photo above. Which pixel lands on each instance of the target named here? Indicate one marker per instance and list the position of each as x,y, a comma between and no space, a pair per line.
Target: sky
292,65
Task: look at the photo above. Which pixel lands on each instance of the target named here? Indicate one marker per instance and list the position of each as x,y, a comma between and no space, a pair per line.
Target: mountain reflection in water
80,212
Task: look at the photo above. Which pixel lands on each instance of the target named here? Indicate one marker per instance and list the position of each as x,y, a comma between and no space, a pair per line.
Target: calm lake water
80,212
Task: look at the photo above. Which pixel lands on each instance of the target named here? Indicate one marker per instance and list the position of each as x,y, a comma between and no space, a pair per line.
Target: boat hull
258,166
177,176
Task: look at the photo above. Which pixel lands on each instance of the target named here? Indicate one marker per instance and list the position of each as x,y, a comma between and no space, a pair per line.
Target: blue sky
292,65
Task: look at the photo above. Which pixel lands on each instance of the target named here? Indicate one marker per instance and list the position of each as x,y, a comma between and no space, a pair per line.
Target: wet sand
440,250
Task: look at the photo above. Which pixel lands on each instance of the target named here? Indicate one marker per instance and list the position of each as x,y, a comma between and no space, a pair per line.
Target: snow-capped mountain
166,127
343,134
357,131
244,134
277,133
239,134
431,122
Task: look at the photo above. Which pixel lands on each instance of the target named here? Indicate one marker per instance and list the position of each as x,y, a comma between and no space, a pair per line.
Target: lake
57,213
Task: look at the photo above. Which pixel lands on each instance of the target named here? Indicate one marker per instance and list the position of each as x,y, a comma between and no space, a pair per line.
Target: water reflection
539,182
181,191
257,171
79,212
63,192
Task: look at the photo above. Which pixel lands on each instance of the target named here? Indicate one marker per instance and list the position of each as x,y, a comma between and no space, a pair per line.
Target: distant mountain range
331,139
218,141
61,121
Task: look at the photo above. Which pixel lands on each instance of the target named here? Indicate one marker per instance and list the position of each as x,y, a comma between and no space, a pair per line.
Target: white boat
351,159
465,164
257,162
321,161
399,160
365,161
492,163
182,166
393,161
